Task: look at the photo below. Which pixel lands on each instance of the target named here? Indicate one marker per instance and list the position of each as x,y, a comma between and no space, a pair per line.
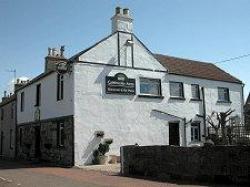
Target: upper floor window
195,131
195,89
12,110
38,95
150,86
22,102
60,87
2,113
223,94
176,90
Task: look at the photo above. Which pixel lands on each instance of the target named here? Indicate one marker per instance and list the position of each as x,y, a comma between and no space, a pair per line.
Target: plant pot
103,160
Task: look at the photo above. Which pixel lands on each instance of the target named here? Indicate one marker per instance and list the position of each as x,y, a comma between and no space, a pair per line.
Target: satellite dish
62,67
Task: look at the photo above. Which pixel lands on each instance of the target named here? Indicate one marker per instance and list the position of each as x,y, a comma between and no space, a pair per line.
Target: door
37,142
174,135
2,139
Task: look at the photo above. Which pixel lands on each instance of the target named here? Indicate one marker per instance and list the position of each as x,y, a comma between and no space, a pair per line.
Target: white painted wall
8,123
50,107
130,119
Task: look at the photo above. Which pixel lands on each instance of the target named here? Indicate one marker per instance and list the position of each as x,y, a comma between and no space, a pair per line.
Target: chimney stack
54,57
122,20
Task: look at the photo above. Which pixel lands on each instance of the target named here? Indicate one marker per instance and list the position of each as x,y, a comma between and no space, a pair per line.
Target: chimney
54,57
122,20
19,83
4,96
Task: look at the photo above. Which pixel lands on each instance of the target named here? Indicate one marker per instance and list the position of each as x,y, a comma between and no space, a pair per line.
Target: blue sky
208,30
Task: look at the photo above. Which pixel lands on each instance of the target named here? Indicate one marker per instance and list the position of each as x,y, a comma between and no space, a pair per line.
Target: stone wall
231,163
50,151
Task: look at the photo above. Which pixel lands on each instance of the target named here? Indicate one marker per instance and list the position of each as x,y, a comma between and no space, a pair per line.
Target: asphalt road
13,174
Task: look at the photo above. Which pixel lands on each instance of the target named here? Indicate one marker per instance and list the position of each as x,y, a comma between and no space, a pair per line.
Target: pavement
25,174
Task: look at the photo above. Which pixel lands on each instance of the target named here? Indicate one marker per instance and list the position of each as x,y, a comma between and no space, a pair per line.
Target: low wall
231,163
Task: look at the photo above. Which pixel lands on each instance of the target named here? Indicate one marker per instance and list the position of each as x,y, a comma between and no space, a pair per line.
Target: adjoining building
119,87
247,112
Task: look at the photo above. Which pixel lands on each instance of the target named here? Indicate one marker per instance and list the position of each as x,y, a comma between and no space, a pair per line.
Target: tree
221,124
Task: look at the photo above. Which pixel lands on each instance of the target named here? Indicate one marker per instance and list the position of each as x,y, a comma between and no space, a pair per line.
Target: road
14,174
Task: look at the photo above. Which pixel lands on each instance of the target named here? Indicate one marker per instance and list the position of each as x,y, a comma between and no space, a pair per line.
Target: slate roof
180,66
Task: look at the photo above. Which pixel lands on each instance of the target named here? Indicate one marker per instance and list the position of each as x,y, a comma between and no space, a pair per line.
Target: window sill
226,102
151,96
195,100
177,98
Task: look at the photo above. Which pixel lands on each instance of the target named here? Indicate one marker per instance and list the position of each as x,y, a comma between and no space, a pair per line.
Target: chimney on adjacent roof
122,20
54,57
19,83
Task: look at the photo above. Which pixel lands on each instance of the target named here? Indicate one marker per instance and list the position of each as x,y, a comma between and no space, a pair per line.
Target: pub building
122,90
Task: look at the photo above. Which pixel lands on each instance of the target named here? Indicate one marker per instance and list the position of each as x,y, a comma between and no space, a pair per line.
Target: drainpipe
242,104
204,110
185,132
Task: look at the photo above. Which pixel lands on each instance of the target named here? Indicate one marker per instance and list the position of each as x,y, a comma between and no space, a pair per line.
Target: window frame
12,111
60,87
11,139
228,95
22,100
2,114
38,95
60,134
199,93
159,95
195,125
182,89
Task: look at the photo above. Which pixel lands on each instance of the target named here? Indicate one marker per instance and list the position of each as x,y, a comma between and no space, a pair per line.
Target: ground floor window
60,134
11,139
195,131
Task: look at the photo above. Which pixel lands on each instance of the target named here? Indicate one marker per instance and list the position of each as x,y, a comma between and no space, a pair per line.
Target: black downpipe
204,110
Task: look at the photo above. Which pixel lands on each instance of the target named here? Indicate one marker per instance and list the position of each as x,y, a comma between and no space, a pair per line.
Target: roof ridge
187,59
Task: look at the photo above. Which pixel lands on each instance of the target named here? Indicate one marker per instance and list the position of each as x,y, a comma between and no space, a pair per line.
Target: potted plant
99,154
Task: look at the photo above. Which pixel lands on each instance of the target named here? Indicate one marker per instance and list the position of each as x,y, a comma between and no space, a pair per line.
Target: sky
208,30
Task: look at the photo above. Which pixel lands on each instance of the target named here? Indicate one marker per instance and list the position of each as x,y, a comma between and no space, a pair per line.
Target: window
150,86
176,89
2,113
195,132
12,110
223,94
11,139
60,86
38,95
195,89
22,102
60,134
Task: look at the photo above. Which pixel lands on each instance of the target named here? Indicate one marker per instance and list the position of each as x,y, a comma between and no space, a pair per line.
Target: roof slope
195,69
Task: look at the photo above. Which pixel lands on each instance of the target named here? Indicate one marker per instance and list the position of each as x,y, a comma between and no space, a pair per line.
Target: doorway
174,135
37,142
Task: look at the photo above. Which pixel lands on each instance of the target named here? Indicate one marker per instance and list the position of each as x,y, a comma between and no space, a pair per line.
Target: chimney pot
126,11
5,93
49,51
118,10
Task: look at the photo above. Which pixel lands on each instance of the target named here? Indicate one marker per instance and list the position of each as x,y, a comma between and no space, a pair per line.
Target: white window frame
181,95
225,91
197,91
152,80
195,127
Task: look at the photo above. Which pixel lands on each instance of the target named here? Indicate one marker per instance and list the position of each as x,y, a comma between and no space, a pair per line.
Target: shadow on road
18,164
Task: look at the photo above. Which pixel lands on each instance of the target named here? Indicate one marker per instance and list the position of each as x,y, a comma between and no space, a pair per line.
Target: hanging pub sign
120,84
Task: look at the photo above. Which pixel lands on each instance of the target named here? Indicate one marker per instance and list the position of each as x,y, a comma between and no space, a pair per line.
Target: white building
120,87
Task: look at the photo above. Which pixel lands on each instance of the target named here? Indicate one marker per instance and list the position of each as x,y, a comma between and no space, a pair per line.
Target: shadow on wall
88,152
